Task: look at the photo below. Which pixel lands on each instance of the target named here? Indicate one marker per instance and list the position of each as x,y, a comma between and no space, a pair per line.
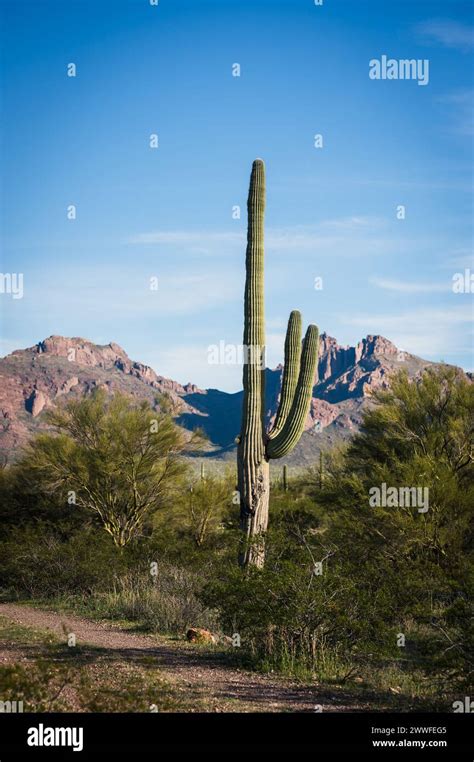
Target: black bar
125,734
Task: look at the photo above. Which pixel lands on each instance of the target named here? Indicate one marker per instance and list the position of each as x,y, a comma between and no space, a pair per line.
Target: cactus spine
256,446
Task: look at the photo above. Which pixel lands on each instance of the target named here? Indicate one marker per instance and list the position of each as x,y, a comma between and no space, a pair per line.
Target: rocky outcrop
375,346
60,368
345,372
83,352
333,359
321,414
66,387
80,351
36,402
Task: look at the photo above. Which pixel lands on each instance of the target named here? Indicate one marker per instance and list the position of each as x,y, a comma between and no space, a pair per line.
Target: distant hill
58,368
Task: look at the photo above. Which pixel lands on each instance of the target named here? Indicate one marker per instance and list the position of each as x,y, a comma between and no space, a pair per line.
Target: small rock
198,635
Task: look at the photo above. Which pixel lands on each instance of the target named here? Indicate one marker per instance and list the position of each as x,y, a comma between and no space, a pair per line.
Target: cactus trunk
253,469
256,446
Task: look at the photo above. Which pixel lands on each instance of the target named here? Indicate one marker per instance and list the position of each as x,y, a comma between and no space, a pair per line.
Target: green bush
37,561
165,602
343,578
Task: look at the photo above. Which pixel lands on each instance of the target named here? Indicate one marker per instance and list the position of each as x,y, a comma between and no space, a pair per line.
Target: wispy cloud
331,234
441,185
460,259
116,292
407,287
191,294
429,332
186,237
450,34
351,223
462,102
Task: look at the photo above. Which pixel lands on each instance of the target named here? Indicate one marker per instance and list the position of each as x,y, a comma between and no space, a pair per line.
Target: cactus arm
288,437
290,372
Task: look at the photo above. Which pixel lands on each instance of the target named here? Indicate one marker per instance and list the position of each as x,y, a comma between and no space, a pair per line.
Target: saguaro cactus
256,446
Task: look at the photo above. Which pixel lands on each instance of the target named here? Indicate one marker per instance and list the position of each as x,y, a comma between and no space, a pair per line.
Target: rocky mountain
58,368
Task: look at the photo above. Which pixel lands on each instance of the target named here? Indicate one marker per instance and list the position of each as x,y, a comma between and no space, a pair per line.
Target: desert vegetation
373,597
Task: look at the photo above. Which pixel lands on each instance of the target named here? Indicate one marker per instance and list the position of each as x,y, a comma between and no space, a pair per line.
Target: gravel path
201,673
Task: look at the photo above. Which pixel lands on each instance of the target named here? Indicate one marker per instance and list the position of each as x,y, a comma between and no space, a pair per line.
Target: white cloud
431,333
187,237
462,117
407,287
349,223
460,258
455,185
192,293
117,292
450,34
300,239
331,233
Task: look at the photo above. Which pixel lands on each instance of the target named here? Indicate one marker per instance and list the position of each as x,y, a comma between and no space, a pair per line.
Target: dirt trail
202,674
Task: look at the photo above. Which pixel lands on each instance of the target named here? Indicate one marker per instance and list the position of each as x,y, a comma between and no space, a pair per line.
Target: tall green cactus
256,445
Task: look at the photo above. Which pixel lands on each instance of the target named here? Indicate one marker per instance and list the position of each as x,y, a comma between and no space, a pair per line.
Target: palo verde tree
415,560
256,445
117,458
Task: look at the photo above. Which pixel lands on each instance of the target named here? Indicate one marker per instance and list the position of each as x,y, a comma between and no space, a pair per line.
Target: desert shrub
303,611
419,434
85,571
115,458
24,502
37,685
200,524
58,683
38,561
387,570
202,509
164,601
343,577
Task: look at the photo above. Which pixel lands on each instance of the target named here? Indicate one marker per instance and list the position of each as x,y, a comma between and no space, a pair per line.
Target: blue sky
167,212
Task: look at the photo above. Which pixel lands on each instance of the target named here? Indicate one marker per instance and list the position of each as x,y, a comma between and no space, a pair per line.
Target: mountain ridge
33,379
